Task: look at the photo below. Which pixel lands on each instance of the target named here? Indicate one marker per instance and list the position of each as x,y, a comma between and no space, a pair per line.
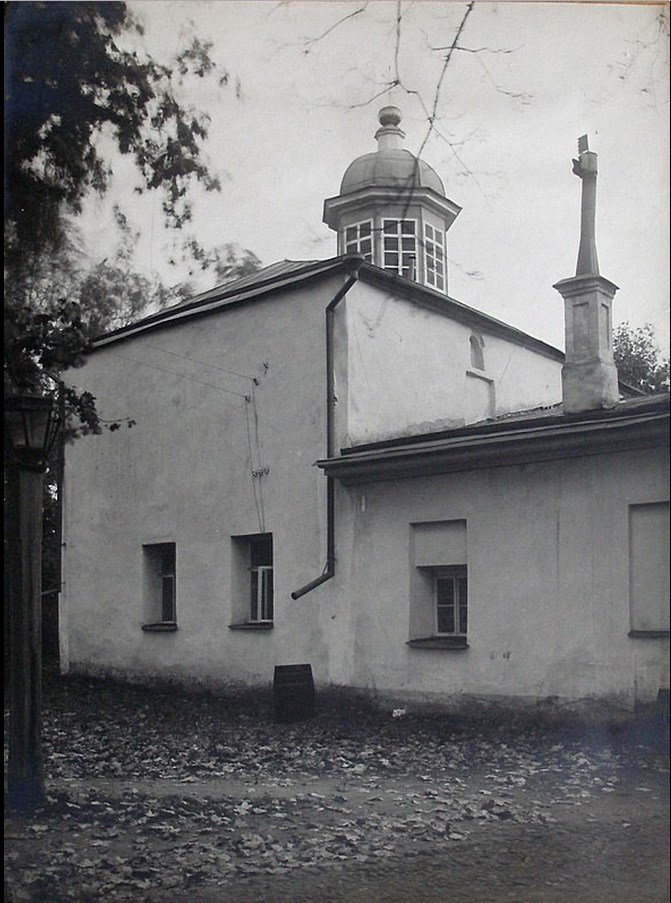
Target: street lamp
31,426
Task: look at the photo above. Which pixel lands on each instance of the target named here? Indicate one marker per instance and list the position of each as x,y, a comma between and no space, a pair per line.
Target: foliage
71,82
77,86
229,261
639,360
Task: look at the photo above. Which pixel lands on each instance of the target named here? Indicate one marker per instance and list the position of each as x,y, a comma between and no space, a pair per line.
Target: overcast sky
508,120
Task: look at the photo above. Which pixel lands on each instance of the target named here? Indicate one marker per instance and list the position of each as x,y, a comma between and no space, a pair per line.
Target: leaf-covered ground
160,796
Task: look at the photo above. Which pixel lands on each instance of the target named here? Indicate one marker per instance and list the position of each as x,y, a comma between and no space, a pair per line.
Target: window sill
160,627
439,642
648,634
252,625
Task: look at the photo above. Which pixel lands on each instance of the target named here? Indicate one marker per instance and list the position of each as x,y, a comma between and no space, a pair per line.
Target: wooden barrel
293,693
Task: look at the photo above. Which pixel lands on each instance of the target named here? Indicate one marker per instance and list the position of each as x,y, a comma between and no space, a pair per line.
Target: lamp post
31,425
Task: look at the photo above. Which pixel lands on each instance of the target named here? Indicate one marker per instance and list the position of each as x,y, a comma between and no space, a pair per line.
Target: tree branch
310,42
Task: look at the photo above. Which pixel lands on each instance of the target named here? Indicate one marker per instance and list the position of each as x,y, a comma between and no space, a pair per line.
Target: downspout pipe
329,569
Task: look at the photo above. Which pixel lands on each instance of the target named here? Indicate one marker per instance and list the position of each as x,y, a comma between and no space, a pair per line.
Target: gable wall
408,370
182,475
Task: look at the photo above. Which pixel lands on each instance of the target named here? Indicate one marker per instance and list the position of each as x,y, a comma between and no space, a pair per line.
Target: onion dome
392,210
391,166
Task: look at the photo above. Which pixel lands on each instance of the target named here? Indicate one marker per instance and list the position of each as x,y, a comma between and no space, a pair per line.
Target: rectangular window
261,595
451,600
160,585
649,568
359,240
168,608
434,257
438,585
399,244
252,573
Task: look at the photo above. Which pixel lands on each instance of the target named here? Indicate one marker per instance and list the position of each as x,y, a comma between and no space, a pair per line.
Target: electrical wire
258,495
180,375
258,455
259,511
195,360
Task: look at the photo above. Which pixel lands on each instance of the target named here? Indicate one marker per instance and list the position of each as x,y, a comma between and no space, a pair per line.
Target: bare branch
479,49
625,66
397,46
310,42
522,96
439,84
364,103
466,169
472,274
398,81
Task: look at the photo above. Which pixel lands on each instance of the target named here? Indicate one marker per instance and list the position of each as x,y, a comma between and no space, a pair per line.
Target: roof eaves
264,276
542,416
486,446
227,298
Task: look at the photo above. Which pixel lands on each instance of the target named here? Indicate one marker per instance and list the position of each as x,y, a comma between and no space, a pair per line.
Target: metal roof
293,272
390,168
524,437
246,288
281,268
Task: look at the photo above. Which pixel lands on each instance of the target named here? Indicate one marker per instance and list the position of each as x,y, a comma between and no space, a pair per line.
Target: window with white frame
252,571
438,585
434,256
160,585
450,587
261,582
399,247
359,240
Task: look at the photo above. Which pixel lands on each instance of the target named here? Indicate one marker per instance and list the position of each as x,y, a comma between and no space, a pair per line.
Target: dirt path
348,839
162,798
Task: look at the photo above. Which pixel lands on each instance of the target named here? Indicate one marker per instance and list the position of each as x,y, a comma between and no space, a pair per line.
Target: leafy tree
72,81
78,89
77,84
111,294
229,261
639,360
234,262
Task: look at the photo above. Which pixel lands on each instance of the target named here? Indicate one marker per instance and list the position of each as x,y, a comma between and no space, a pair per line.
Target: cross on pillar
585,167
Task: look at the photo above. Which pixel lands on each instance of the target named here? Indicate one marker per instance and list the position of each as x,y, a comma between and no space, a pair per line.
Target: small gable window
477,352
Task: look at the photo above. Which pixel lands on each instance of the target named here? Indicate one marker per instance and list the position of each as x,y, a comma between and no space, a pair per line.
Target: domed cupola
392,209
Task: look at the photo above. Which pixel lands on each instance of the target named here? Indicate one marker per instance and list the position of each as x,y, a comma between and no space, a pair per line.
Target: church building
335,462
